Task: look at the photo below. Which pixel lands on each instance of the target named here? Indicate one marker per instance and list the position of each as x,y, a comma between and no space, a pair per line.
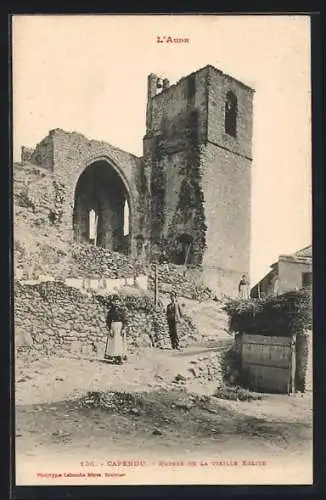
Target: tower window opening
231,111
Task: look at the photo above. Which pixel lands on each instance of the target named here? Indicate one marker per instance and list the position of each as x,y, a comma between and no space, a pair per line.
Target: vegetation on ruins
281,315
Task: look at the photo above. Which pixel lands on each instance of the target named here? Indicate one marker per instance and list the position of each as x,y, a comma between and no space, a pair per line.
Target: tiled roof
304,252
303,255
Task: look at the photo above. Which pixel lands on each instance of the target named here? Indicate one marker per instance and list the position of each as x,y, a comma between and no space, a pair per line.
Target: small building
290,272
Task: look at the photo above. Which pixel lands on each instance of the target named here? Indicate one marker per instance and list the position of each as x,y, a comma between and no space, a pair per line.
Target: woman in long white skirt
244,292
116,345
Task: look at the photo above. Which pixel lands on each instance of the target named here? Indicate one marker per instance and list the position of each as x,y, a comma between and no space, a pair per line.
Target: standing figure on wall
244,287
276,286
116,344
174,315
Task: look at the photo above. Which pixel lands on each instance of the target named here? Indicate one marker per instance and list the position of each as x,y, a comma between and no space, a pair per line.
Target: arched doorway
101,213
183,250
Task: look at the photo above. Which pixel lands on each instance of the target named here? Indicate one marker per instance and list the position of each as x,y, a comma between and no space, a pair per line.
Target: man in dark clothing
173,314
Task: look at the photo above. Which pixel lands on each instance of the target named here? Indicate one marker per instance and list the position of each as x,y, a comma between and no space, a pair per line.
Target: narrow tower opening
231,110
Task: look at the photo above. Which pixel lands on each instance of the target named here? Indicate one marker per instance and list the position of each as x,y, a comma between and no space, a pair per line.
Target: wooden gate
268,363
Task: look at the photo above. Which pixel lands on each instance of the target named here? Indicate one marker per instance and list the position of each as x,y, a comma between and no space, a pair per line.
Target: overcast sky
89,74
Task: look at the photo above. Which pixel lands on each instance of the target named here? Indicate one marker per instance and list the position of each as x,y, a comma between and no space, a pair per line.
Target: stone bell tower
198,149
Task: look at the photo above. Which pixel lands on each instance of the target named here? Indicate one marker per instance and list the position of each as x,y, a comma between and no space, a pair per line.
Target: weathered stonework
26,154
201,175
188,196
68,155
227,213
54,317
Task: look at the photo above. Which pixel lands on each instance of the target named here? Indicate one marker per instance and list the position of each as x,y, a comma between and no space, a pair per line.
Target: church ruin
187,198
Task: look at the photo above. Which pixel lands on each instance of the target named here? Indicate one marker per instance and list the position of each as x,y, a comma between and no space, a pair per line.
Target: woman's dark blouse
115,313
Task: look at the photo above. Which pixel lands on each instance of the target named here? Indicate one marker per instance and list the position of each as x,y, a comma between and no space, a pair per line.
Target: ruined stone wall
37,211
70,153
179,120
56,316
177,199
173,104
89,261
26,154
43,154
40,246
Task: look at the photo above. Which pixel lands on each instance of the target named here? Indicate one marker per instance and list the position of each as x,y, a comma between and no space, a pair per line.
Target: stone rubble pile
90,261
138,404
115,401
81,261
206,368
38,201
209,368
181,280
34,191
44,260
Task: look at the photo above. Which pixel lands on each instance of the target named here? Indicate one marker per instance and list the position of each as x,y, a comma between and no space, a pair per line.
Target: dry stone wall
55,317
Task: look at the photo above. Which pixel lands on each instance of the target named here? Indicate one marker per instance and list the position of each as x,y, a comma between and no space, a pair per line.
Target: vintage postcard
162,249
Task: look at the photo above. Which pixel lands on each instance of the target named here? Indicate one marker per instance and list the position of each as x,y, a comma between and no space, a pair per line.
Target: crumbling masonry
188,197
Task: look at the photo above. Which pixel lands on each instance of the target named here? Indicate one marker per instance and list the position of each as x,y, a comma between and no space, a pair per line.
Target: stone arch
101,185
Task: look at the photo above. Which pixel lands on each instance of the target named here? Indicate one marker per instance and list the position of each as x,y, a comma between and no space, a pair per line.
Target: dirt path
165,420
50,379
158,405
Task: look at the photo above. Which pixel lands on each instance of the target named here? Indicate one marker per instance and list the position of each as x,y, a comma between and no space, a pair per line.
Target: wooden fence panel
268,363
